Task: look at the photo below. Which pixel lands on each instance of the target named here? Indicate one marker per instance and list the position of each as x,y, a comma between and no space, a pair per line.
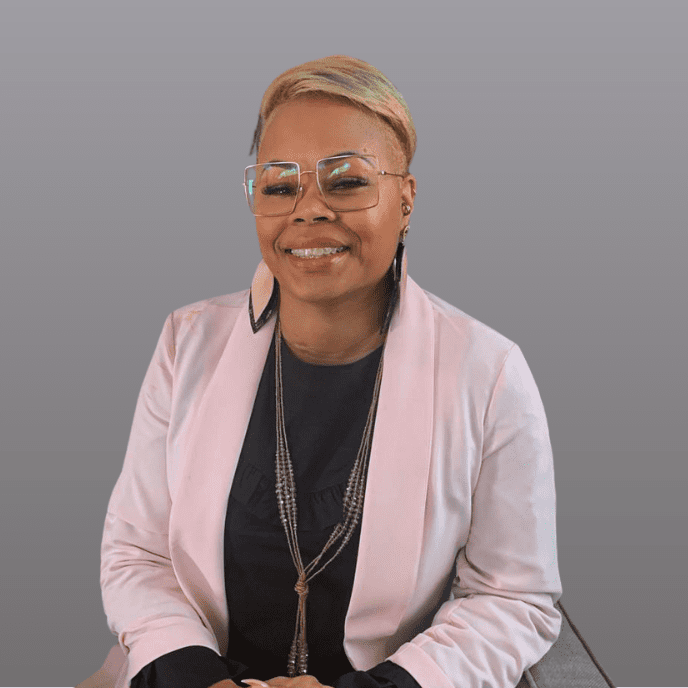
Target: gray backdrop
551,167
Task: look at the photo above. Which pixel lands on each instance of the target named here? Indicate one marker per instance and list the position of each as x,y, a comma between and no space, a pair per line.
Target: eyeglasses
346,182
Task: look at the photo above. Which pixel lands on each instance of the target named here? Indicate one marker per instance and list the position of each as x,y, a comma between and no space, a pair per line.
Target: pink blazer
460,488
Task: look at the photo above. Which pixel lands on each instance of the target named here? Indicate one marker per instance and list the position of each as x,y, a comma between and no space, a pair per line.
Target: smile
314,252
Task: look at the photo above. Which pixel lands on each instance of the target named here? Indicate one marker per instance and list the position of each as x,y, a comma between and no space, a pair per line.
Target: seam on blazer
172,353
174,337
494,389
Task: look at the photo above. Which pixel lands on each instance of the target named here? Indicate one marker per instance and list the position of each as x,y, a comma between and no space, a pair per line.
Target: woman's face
304,131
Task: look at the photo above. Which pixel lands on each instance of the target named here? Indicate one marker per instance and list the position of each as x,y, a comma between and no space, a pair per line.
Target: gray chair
568,664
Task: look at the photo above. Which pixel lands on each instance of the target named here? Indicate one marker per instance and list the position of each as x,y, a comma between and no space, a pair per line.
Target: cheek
386,229
380,246
267,233
375,236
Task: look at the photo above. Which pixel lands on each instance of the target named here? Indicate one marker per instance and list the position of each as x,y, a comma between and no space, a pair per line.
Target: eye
279,190
347,184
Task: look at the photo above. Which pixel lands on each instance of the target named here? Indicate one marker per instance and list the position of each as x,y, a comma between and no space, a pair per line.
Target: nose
310,204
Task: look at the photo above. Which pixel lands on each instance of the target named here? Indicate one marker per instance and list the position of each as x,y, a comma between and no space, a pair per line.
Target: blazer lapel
214,443
396,488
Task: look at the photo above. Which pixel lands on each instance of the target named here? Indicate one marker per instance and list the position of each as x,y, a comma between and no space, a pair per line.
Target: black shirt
325,410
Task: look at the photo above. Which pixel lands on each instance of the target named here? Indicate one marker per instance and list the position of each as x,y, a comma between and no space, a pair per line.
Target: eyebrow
336,155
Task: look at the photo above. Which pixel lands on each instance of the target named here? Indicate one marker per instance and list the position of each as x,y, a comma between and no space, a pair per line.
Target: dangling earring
397,262
396,275
405,210
399,257
396,270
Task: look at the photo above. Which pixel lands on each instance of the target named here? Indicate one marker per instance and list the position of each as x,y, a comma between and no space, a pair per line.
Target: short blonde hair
342,77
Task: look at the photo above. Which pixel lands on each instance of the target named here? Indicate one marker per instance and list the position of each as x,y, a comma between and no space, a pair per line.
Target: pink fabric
460,484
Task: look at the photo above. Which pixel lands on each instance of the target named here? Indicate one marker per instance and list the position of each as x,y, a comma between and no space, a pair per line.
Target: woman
290,510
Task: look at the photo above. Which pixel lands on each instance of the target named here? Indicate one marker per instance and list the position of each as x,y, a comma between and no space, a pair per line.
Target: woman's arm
190,667
501,618
143,602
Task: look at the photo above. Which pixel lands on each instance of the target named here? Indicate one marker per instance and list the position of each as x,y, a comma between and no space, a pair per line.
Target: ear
408,190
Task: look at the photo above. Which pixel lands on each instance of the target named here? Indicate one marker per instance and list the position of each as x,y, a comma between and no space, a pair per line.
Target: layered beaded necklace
286,500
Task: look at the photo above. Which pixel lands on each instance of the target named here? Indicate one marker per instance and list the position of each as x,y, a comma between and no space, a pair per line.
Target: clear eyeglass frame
299,192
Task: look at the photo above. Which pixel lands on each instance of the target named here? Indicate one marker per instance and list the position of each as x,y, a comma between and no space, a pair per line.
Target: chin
324,297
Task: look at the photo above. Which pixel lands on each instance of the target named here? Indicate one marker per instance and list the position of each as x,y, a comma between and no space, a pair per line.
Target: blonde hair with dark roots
342,78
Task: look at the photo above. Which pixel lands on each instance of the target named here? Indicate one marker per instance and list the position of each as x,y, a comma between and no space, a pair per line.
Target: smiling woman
332,306
334,478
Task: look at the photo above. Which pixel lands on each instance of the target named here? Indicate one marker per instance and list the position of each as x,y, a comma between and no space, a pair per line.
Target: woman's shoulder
227,302
225,307
452,322
203,323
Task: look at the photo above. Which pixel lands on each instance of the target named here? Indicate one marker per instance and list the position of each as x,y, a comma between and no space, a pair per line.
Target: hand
304,681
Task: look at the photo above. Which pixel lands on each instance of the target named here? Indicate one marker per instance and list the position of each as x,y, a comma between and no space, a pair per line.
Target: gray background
551,206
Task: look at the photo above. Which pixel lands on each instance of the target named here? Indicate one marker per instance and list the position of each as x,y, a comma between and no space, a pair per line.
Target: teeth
315,252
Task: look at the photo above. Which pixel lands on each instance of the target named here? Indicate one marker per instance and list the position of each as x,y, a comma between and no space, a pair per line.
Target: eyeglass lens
347,183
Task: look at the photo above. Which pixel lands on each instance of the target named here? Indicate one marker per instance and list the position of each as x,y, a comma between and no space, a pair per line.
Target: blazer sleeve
500,618
144,604
190,667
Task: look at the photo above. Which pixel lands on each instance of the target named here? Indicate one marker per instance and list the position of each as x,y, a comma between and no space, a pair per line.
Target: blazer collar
263,298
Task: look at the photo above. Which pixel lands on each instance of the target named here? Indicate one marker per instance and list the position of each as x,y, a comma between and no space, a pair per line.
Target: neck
334,334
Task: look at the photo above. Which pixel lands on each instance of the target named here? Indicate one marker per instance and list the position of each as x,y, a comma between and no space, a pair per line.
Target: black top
325,410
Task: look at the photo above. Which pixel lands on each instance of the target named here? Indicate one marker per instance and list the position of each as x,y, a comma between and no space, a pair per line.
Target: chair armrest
569,663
